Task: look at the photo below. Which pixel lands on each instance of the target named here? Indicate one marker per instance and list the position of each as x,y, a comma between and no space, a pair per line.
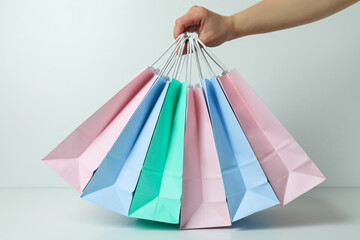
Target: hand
213,29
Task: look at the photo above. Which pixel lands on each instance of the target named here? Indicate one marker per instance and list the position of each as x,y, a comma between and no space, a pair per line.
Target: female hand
213,29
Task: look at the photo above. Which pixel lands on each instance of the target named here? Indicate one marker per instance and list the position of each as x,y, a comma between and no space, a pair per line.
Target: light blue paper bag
246,186
115,180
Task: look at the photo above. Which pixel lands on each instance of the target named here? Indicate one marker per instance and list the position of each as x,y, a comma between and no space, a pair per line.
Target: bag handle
182,61
177,40
203,56
196,57
179,59
212,56
171,57
188,61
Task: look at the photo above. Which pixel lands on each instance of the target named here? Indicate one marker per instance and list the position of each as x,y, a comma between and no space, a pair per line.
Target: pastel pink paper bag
287,167
77,157
203,200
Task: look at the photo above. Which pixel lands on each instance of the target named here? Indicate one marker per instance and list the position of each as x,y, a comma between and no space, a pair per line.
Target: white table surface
45,213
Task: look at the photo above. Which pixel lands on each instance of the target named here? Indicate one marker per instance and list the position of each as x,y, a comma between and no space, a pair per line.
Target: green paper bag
158,192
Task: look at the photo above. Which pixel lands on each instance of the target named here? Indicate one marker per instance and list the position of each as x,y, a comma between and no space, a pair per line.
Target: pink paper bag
287,167
203,201
77,157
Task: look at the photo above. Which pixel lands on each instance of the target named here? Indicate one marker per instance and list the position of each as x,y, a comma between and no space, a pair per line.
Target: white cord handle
212,56
178,39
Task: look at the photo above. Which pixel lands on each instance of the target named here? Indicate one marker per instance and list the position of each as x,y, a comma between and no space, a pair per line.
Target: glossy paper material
77,157
114,182
157,195
203,201
286,165
246,186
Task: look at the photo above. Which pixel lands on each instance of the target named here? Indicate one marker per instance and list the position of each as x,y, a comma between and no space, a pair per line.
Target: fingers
191,21
192,28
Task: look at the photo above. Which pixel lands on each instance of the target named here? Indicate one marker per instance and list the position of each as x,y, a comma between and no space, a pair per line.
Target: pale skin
266,16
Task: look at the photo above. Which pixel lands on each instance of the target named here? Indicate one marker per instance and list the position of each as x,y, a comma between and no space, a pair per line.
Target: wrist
237,26
230,23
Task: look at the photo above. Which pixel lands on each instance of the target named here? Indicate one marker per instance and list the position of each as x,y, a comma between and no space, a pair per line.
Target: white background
61,60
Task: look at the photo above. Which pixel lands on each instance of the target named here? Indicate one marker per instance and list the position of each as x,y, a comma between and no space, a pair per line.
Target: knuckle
198,10
202,10
178,21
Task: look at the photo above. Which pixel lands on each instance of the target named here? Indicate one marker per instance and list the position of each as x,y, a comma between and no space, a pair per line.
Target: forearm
272,15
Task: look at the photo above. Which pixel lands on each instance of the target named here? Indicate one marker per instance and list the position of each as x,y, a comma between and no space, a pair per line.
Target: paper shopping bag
203,200
247,188
114,182
288,168
77,157
157,195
